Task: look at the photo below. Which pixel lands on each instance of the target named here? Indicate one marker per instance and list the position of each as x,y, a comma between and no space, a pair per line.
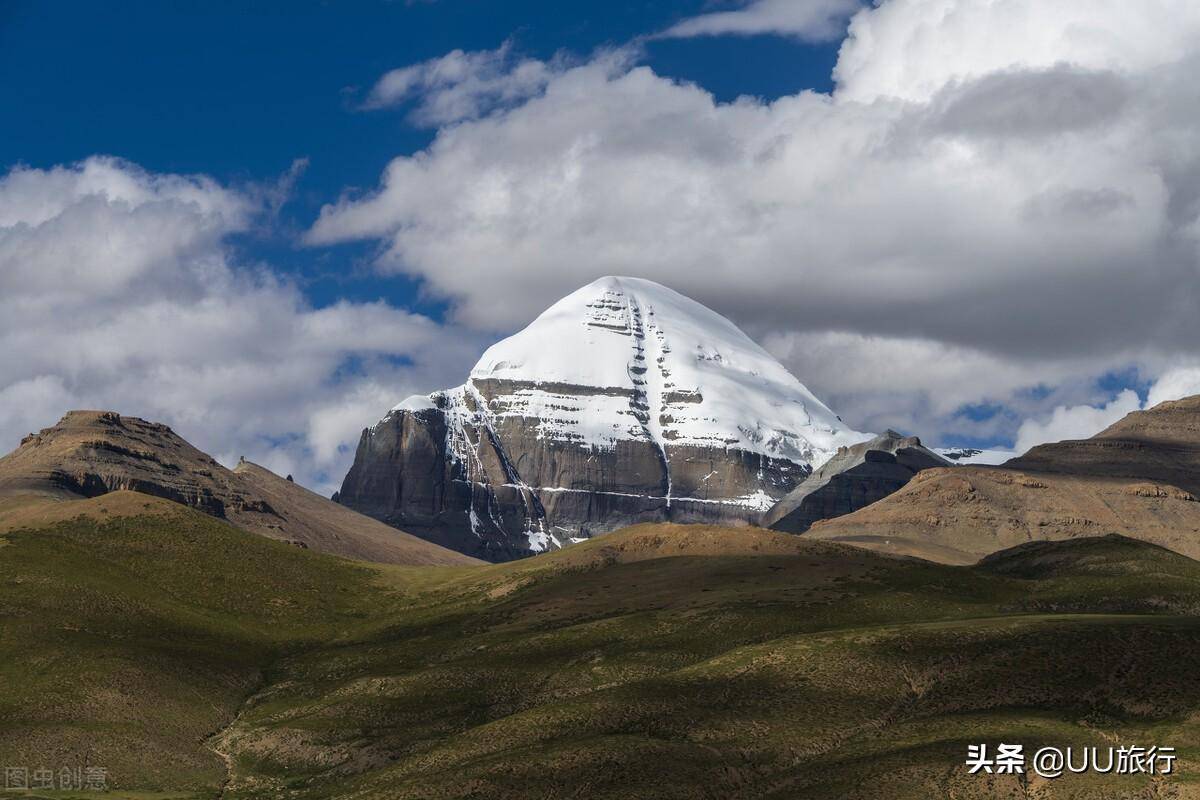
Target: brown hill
33,511
1160,444
1138,478
332,528
93,453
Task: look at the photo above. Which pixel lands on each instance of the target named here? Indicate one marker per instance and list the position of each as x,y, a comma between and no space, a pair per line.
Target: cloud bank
999,204
1076,422
118,290
1083,421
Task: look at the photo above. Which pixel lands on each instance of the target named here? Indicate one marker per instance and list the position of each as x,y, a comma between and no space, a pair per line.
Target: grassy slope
802,670
126,643
641,665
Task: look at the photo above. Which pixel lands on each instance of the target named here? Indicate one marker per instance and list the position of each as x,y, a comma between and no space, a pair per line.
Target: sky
266,223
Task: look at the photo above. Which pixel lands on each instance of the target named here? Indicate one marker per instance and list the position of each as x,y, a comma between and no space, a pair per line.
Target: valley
659,661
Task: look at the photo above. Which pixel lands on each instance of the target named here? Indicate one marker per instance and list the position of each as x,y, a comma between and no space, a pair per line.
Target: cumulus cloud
1175,384
118,290
1083,421
1076,422
946,393
999,202
811,20
1031,104
460,85
911,49
1010,181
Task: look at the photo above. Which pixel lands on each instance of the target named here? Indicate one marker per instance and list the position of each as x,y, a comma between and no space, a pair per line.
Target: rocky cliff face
1161,443
625,402
854,478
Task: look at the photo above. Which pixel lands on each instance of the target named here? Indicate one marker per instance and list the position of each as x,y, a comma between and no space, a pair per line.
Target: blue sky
239,91
974,220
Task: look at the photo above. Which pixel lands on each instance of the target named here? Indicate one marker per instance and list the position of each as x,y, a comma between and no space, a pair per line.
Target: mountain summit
623,402
684,375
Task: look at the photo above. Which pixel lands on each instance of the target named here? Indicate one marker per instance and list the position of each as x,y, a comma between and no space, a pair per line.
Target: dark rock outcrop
854,478
499,491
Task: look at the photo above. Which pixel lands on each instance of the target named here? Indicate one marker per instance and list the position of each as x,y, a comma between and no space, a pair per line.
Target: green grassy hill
657,662
126,643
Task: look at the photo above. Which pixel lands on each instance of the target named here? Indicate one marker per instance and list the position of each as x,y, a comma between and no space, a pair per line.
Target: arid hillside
1138,478
93,453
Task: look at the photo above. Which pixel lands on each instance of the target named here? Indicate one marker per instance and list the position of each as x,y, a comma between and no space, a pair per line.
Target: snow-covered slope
704,382
623,402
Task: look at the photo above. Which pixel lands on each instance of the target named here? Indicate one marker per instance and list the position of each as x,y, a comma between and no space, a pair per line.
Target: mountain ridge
89,454
1140,478
853,478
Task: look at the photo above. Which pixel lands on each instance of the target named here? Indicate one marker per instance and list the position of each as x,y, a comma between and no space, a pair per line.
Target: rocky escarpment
854,478
93,453
1140,478
623,403
455,475
90,453
1161,443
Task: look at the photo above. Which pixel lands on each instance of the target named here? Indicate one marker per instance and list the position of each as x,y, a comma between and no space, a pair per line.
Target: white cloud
911,49
1083,421
921,386
1174,384
999,196
811,20
460,86
23,405
1076,422
118,290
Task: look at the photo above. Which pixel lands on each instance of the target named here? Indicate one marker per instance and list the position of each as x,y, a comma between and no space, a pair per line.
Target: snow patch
416,402
971,455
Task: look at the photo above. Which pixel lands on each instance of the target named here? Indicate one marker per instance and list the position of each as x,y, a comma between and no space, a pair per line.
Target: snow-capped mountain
972,455
623,402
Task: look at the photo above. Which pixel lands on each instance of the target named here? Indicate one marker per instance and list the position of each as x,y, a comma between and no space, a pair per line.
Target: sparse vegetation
644,664
126,642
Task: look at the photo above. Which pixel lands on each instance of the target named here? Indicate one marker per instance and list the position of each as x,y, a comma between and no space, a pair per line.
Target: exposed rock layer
1139,478
498,492
92,453
1160,444
854,478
